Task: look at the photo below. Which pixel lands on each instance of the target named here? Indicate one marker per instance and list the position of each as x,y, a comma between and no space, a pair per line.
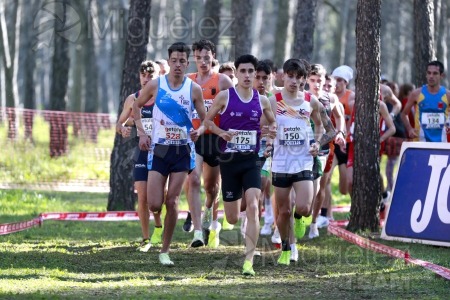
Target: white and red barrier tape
393,252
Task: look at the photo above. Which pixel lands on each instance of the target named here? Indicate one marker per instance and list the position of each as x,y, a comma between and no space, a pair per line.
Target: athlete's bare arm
384,113
199,104
330,132
388,96
218,105
125,116
148,92
412,100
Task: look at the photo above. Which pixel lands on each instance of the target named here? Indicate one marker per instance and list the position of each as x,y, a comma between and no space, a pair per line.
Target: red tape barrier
380,248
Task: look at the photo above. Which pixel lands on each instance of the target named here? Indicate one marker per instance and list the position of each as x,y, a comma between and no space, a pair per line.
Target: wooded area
83,56
96,30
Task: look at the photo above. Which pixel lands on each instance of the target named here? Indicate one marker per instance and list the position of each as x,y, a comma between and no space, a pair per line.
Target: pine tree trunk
211,19
423,38
121,195
366,169
242,12
281,33
305,22
58,89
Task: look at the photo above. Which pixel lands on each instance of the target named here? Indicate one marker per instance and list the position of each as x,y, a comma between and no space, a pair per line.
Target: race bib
173,135
243,140
147,123
292,136
432,120
208,104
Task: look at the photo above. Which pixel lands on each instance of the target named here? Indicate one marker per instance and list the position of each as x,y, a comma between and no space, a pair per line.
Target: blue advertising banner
419,208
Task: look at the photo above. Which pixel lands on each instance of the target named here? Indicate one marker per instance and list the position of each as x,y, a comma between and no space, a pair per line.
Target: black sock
285,246
385,194
297,216
323,212
158,226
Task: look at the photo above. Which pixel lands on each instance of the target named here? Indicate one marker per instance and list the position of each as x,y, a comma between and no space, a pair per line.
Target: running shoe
276,238
226,225
284,258
157,235
197,241
313,231
294,253
322,222
206,218
213,239
299,228
164,259
188,226
247,269
144,246
266,229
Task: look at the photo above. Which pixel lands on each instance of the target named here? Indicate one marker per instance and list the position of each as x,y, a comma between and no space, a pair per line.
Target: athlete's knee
303,210
284,213
194,180
232,219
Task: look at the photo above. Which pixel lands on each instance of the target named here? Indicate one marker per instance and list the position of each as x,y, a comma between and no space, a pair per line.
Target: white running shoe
268,213
294,253
322,222
276,238
313,231
266,229
197,241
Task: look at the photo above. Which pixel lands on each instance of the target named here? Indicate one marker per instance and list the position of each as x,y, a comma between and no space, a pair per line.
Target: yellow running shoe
299,228
157,235
213,239
226,225
247,269
285,258
308,220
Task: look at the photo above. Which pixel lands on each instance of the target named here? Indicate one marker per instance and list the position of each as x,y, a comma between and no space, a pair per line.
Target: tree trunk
121,195
423,38
91,101
442,39
366,172
58,89
210,28
242,12
305,22
29,67
9,31
281,33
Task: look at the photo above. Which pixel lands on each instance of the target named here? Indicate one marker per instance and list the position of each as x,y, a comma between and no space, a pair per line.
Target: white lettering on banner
92,216
437,164
72,216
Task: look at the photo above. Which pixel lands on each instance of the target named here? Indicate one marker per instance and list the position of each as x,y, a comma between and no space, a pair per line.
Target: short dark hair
271,64
263,67
294,65
179,47
318,70
204,44
438,64
246,58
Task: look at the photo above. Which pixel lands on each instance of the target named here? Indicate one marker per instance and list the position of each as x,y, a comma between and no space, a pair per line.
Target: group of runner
228,132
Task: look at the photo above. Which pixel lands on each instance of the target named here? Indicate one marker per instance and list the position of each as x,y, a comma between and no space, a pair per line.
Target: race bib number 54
147,123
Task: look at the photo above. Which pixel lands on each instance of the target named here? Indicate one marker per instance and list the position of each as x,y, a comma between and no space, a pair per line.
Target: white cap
344,72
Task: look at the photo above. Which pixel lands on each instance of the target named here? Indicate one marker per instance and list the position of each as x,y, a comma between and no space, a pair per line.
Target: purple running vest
241,115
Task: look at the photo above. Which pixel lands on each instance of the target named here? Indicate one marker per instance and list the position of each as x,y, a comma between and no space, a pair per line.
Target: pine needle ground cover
98,260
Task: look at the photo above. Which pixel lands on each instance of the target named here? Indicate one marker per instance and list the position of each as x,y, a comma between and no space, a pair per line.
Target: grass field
98,260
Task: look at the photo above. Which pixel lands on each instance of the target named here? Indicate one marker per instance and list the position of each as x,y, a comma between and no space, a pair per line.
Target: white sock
214,225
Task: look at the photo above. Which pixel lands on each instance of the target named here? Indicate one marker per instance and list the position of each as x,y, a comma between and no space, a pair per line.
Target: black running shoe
188,226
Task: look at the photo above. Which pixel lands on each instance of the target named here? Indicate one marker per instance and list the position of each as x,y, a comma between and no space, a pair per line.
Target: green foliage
98,260
25,162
